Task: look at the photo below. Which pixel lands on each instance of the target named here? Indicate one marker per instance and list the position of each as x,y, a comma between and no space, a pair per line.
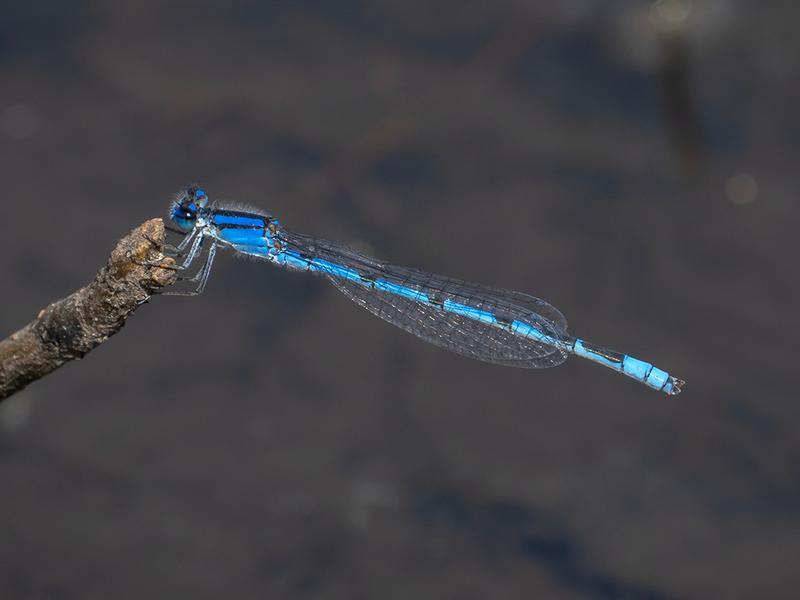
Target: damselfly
497,326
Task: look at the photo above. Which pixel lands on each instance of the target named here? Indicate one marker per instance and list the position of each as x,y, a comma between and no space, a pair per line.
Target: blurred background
632,162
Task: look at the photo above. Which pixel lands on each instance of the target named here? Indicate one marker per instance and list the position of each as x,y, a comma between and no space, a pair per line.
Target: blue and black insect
496,326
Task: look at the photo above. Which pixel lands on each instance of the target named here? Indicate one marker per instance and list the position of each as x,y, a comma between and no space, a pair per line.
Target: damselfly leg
201,277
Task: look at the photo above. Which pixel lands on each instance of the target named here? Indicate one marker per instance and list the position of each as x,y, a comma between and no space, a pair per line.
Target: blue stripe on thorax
254,250
220,219
243,237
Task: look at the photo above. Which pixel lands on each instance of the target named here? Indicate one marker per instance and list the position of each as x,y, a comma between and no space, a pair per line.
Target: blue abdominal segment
637,369
400,290
329,268
470,312
529,331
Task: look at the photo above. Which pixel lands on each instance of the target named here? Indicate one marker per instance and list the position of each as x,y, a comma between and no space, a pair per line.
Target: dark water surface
634,163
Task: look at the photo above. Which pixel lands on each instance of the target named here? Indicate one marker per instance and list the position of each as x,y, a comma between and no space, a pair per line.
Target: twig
71,327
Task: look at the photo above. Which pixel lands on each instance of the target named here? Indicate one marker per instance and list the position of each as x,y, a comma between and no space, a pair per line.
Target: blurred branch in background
671,20
71,327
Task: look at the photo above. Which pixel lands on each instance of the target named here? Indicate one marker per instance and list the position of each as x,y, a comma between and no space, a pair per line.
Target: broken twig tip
70,328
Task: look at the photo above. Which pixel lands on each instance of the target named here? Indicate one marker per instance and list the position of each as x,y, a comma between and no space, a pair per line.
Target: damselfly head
184,209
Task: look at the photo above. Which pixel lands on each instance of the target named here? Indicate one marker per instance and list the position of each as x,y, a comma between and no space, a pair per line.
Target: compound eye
184,213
